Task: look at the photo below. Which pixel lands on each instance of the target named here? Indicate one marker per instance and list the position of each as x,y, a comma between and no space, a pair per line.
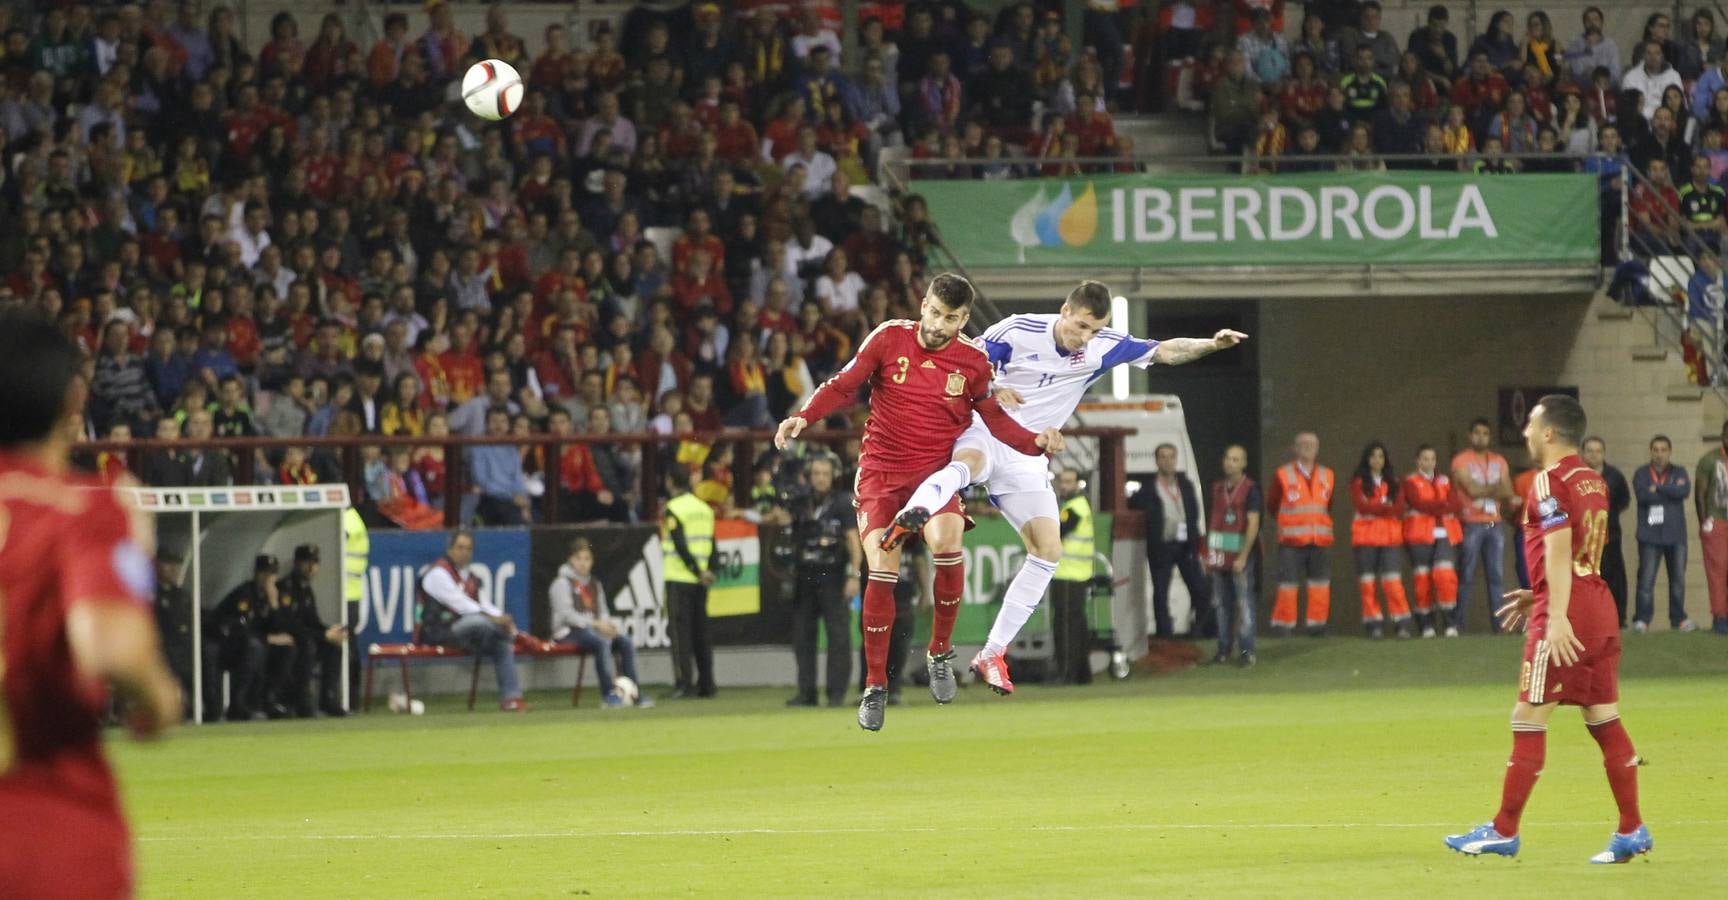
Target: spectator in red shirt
780,137
700,284
1481,92
1093,126
534,132
699,403
463,371
1656,210
735,139
698,236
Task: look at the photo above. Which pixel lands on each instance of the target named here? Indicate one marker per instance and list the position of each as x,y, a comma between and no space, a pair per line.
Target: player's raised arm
1176,351
839,391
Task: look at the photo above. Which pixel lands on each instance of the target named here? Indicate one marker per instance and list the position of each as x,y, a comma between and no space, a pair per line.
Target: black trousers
1070,632
1614,572
899,637
499,511
290,670
820,599
1164,557
687,620
241,655
586,507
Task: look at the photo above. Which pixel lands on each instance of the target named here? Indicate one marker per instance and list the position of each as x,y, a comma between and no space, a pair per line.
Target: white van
1157,419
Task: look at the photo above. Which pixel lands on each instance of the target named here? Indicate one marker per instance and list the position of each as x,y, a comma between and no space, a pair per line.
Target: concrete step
1650,354
1685,393
1613,312
1165,134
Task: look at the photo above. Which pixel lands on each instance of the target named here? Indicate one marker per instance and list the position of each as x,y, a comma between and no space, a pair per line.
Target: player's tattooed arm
1176,351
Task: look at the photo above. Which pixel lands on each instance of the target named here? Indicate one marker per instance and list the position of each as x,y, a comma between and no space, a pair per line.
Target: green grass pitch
1332,769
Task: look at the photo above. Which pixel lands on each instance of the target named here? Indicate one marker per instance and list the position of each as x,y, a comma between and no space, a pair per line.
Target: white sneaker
1686,626
1451,631
1427,631
1639,627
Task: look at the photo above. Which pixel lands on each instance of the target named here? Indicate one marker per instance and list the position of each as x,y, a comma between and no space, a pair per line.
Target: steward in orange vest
1377,534
1431,532
1300,501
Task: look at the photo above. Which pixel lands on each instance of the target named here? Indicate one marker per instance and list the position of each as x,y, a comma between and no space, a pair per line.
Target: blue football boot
1622,847
1483,839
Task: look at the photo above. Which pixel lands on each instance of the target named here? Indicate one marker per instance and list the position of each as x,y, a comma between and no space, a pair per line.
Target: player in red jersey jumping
1572,647
75,612
926,380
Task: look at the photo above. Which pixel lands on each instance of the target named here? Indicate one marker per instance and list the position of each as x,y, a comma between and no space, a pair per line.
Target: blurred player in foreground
1044,364
75,613
926,381
1572,648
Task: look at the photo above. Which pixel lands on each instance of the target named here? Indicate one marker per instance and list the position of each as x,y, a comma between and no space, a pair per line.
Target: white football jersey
1023,351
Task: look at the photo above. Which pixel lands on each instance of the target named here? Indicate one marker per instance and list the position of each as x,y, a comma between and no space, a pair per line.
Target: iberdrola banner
1320,218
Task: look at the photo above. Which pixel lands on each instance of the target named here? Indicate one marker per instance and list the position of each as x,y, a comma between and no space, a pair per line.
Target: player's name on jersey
308,497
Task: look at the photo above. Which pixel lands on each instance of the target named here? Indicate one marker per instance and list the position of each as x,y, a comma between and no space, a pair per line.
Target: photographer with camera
822,548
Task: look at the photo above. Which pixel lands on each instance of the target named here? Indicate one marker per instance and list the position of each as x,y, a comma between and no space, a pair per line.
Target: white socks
933,494
1024,593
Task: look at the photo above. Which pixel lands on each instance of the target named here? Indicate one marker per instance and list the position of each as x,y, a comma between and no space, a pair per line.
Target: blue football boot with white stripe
1622,847
1483,839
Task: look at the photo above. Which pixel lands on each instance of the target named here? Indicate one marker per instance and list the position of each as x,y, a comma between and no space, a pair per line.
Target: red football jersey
1571,495
920,400
64,540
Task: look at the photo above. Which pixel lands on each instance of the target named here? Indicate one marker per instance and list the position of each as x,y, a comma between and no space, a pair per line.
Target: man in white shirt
819,167
455,612
251,237
1044,365
1651,78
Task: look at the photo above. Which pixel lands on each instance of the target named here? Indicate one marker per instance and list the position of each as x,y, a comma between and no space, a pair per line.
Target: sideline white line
800,832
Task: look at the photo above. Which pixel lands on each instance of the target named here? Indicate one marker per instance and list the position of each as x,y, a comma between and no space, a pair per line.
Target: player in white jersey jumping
1044,364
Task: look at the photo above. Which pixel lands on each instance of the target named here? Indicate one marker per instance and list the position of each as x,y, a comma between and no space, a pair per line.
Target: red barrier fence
1111,474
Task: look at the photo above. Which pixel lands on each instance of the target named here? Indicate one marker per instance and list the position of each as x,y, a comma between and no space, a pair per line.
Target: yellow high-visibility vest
1077,547
697,518
356,546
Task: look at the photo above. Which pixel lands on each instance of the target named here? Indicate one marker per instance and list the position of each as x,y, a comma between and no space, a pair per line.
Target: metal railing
1671,261
1111,472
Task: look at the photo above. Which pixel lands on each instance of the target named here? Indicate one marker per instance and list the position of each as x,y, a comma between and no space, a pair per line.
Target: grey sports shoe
871,708
943,686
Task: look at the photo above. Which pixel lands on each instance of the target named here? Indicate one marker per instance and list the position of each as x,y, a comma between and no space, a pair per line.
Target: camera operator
825,555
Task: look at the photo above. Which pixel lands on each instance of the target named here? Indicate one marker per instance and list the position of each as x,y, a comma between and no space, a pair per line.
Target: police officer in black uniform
174,620
234,643
298,639
826,556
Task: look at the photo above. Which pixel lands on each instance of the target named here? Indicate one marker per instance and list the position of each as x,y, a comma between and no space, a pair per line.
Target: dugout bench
526,645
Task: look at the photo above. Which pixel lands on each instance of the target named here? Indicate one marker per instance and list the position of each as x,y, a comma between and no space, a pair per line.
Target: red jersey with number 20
920,400
1571,495
65,540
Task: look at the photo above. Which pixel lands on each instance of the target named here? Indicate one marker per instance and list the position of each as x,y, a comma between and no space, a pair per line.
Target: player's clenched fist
789,429
1050,440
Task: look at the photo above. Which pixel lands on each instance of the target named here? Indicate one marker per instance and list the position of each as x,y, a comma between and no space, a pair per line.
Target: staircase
1627,365
1162,135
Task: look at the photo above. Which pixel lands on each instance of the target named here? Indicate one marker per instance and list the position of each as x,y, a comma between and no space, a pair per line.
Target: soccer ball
626,689
492,89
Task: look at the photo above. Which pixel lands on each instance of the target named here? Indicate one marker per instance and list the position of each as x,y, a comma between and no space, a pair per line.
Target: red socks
1621,764
878,622
948,583
1529,749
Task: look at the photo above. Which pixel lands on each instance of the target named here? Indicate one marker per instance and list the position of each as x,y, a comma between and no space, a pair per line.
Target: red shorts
879,496
51,848
1592,680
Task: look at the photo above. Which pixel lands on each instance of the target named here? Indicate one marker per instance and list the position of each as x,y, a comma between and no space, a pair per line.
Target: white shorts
1019,485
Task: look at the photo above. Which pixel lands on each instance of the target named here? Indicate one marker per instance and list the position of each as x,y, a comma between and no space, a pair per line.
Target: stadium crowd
310,238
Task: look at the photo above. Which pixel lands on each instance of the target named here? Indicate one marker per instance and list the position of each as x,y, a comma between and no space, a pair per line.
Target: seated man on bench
455,613
580,617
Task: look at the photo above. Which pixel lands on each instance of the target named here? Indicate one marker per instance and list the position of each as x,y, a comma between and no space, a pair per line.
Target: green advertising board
1321,218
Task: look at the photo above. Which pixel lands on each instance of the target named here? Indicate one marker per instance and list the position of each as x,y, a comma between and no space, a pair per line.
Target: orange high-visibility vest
1377,522
1428,510
1304,506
